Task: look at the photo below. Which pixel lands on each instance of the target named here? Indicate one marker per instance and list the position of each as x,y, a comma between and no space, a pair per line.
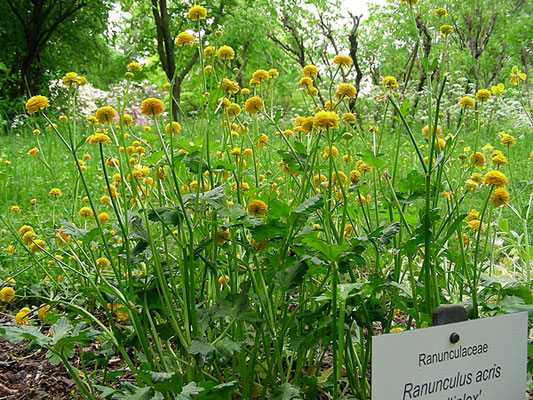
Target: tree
34,35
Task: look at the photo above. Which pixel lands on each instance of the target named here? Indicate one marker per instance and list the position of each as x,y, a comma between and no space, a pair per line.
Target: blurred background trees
41,40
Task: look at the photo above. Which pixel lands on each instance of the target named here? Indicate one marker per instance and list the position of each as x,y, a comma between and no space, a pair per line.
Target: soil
26,374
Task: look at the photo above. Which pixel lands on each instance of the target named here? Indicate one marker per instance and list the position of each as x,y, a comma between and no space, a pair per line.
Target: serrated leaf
291,277
302,211
189,391
286,392
373,160
200,347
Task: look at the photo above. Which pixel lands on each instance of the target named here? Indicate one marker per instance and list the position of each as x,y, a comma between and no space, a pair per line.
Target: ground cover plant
224,245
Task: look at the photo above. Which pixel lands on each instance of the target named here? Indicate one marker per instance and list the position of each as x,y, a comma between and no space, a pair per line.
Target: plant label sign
483,359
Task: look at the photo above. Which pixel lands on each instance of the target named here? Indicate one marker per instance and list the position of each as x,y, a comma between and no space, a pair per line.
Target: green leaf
189,391
414,182
309,206
503,225
168,215
155,157
200,347
192,161
272,229
388,232
18,334
291,277
330,252
373,160
214,197
286,392
218,392
70,229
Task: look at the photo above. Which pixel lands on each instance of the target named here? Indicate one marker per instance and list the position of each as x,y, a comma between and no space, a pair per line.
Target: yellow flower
92,120
306,82
15,208
223,236
209,51
476,225
349,118
345,90
471,185
441,12
326,120
41,312
120,311
488,148
185,38
36,132
102,263
507,139
495,178
257,207
472,215
253,105
273,73
446,30
500,197
176,128
152,107
342,61
33,151
105,200
348,230
478,159
499,160
498,90
483,95
261,142
55,192
225,53
9,249
105,115
233,110
327,150
134,67
36,103
126,120
7,294
261,75
96,138
355,177
25,229
390,82
310,70
223,280
410,2
425,131
62,118
38,245
362,199
103,218
22,316
71,78
341,177
516,75
245,91
85,212
229,86
197,12
466,101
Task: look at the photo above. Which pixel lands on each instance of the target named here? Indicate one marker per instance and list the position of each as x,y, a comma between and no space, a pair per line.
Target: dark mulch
26,374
